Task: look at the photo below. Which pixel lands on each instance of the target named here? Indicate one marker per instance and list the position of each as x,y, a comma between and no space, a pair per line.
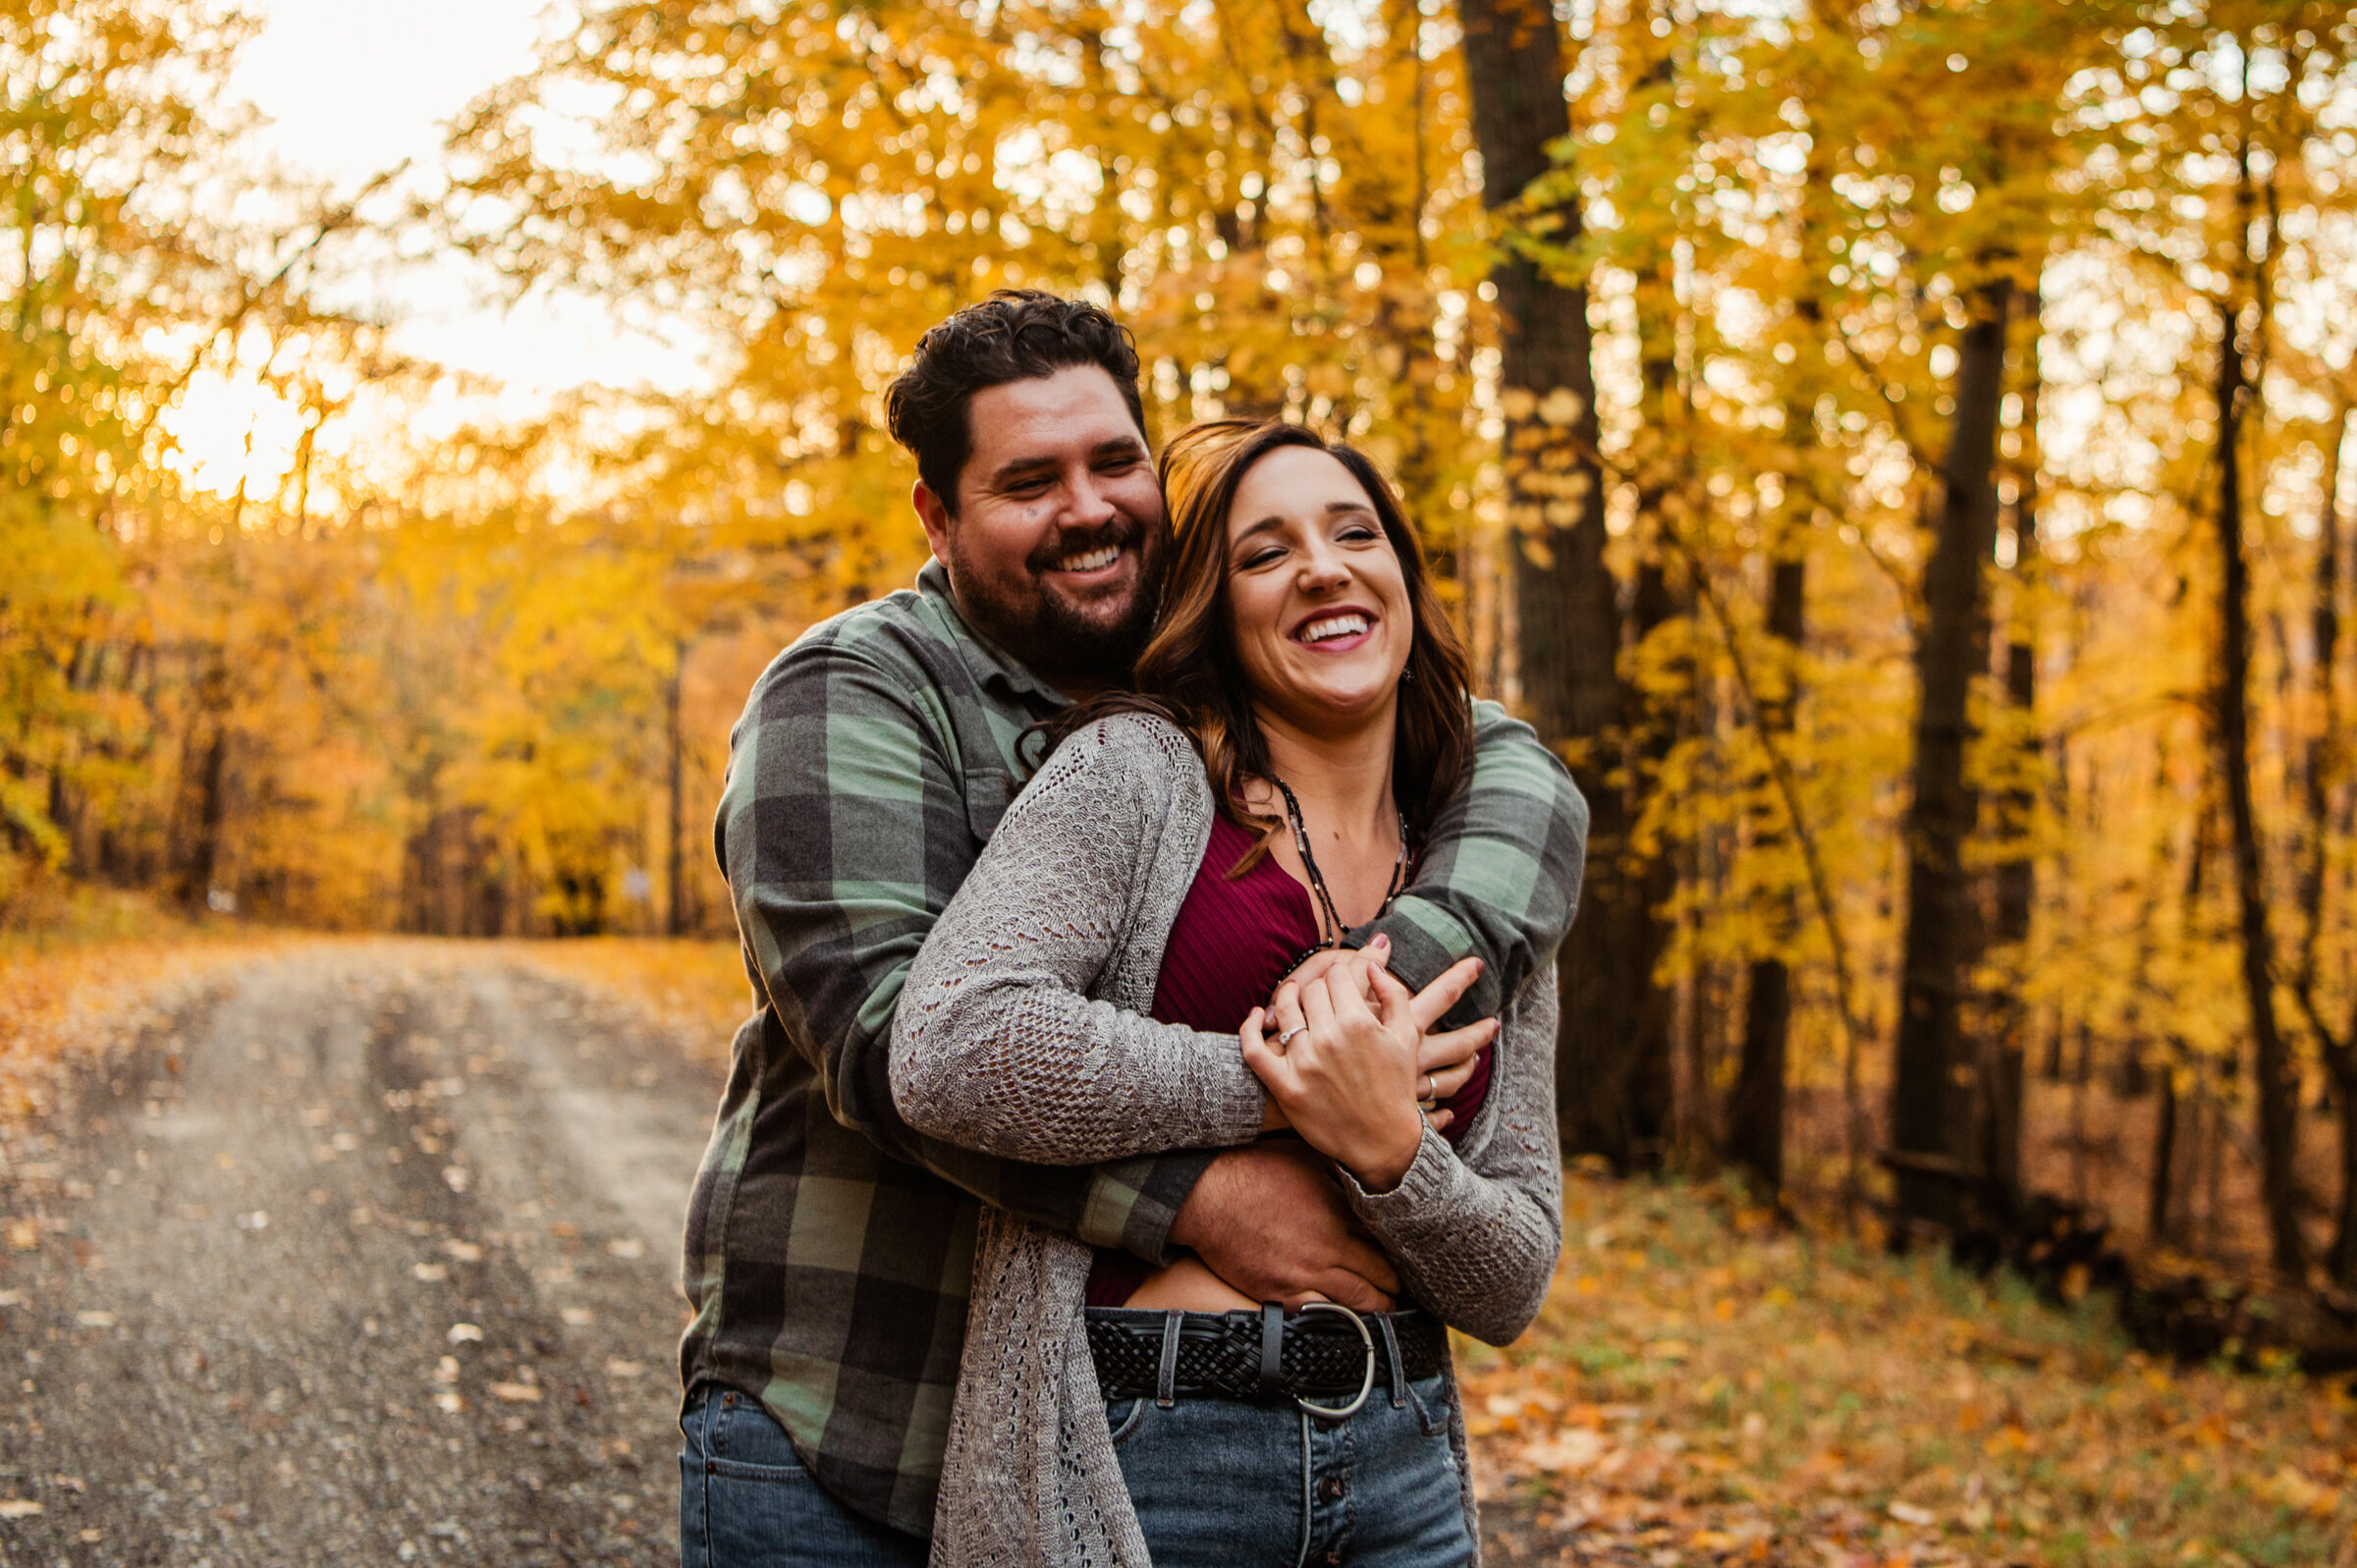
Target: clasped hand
1343,1052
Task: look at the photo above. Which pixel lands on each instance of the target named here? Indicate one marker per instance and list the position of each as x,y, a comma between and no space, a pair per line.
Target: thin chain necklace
1330,931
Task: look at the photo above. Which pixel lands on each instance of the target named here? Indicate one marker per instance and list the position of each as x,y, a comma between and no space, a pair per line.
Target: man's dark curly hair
1015,334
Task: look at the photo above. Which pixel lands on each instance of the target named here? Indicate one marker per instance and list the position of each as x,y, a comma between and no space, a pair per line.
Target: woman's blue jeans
1227,1484
1217,1484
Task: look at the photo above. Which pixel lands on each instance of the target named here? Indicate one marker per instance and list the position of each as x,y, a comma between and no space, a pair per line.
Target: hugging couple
1152,946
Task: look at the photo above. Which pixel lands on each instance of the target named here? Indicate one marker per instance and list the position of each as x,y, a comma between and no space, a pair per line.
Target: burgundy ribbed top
1234,939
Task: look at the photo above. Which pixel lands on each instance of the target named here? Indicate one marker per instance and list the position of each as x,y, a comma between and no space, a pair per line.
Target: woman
1299,715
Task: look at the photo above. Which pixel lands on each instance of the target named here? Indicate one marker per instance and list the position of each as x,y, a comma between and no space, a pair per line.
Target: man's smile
1089,562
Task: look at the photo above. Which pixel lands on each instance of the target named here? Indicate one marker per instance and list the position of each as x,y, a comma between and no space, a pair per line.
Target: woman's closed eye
1264,554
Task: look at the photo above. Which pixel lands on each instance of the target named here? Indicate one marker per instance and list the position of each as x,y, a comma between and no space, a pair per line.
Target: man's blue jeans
1226,1484
745,1501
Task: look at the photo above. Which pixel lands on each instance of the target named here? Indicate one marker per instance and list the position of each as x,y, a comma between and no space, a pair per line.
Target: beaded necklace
1331,926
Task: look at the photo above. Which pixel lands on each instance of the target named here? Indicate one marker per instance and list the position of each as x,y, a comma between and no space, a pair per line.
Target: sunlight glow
229,431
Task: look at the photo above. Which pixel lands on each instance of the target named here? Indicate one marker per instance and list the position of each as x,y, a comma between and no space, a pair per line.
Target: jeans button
1331,1560
1333,1490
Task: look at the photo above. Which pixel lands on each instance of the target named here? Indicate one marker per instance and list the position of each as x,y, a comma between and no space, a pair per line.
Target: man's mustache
1120,534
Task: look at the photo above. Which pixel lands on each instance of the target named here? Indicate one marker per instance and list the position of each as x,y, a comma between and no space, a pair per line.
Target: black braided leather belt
1322,1352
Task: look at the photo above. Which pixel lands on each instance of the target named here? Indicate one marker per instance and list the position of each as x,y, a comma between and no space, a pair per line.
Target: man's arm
843,830
1499,876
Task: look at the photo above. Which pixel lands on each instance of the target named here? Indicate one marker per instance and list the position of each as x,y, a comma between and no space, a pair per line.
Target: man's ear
936,519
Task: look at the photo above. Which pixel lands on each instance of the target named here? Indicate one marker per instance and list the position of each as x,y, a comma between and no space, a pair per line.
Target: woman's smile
1337,630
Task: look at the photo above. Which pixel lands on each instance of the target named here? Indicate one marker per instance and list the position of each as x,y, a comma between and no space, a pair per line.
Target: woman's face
1315,591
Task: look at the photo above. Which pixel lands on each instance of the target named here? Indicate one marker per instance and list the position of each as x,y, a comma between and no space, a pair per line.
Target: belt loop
1166,1381
1390,1347
1272,1349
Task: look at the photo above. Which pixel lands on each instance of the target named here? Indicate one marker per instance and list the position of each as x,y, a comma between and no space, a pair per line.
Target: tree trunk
1931,1113
2343,1259
1665,460
2319,767
2275,1089
1755,1115
2159,1217
2164,1215
1651,1084
204,844
2003,1062
1755,1121
1566,603
674,903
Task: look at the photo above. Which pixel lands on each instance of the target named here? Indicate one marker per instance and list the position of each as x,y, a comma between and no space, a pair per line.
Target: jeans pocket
743,1443
1432,1401
1124,1417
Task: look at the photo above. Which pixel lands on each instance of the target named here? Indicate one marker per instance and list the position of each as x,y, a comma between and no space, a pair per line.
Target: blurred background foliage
1896,450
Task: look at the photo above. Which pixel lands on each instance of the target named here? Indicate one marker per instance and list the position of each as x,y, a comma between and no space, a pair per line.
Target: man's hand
1268,1219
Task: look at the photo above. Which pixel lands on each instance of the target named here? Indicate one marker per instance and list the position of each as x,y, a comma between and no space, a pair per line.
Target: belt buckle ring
1365,1387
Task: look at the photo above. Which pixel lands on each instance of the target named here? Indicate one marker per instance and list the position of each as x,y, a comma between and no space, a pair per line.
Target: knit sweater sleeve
997,1043
1476,1238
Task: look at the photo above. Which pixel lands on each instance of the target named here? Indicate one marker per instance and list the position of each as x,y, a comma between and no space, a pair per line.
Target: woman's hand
1347,1078
1446,1060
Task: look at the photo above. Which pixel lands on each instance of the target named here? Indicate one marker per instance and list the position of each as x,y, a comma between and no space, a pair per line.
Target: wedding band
1297,1029
1432,1087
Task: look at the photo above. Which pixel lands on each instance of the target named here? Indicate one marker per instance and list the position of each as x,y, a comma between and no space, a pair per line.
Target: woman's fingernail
1381,941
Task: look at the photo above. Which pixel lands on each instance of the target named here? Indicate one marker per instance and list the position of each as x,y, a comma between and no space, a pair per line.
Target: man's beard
1059,640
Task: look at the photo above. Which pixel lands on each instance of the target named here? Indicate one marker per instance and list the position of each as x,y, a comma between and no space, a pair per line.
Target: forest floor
365,1251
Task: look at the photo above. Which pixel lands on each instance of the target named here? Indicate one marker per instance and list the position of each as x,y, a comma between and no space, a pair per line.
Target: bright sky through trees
347,91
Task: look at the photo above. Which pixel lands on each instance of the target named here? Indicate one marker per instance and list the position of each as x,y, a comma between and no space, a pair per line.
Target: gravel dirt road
369,1256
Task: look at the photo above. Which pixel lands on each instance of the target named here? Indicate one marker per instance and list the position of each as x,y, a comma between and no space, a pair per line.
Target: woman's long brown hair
1189,673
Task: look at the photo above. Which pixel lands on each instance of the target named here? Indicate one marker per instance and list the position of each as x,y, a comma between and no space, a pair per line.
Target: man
829,1246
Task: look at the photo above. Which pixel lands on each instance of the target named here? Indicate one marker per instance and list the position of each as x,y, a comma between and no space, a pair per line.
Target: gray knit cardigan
1023,1032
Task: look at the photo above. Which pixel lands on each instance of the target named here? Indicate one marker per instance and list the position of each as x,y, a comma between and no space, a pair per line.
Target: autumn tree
1612,1092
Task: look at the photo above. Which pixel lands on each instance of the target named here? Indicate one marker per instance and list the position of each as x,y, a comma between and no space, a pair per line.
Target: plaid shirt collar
991,665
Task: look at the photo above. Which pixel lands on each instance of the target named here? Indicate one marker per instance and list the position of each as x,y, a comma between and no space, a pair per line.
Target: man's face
1059,534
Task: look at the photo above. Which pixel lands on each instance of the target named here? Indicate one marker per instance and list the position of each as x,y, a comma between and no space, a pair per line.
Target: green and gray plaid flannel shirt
829,1246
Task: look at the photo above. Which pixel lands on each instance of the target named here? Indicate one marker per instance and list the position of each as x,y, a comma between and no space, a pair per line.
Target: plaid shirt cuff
1132,1203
